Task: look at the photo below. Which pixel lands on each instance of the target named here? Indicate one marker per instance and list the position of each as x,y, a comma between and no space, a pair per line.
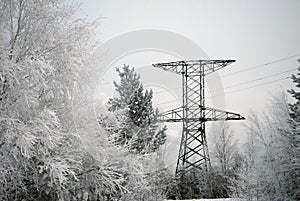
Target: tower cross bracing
193,151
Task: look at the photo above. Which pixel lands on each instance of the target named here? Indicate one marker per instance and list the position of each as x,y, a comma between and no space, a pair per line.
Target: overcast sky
252,32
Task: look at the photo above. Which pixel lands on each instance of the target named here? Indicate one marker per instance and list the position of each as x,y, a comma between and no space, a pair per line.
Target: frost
43,50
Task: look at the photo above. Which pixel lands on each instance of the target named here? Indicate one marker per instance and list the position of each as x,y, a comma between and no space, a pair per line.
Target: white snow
220,199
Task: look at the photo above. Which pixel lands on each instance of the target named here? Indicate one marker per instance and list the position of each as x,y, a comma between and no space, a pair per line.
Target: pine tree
127,87
293,137
142,133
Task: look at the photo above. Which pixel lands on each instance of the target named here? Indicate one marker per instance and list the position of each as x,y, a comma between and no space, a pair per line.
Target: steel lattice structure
193,152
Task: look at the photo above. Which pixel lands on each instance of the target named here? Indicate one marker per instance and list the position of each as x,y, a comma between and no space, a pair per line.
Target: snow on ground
220,199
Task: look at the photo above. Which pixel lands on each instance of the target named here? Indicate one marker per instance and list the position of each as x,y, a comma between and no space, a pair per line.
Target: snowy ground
221,199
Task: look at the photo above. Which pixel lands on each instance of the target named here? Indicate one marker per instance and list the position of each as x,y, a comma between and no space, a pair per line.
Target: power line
247,69
250,87
258,79
240,71
260,66
226,93
234,85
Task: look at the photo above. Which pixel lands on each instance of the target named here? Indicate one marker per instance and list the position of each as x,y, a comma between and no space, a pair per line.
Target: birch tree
224,160
266,172
43,48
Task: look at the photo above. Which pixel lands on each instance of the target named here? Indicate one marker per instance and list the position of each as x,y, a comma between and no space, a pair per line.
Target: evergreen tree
293,138
141,133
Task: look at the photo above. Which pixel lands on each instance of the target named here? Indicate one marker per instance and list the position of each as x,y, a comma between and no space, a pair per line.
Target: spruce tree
142,133
295,108
293,137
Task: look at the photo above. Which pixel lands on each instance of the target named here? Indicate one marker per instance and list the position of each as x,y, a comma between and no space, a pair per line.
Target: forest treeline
46,155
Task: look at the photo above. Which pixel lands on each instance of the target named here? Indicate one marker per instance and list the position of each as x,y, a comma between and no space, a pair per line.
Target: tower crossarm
210,114
174,115
193,66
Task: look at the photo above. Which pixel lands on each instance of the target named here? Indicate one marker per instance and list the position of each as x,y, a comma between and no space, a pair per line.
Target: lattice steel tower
193,152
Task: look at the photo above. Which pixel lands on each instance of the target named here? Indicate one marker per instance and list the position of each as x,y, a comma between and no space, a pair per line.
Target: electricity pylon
193,152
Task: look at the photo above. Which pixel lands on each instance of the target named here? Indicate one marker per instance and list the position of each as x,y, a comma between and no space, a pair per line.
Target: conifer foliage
293,139
141,132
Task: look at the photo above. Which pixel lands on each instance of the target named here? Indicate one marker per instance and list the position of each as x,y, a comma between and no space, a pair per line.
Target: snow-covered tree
43,152
292,136
156,181
224,160
266,172
246,184
141,131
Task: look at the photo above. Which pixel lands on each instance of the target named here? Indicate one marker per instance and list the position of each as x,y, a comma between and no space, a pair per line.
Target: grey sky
252,32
